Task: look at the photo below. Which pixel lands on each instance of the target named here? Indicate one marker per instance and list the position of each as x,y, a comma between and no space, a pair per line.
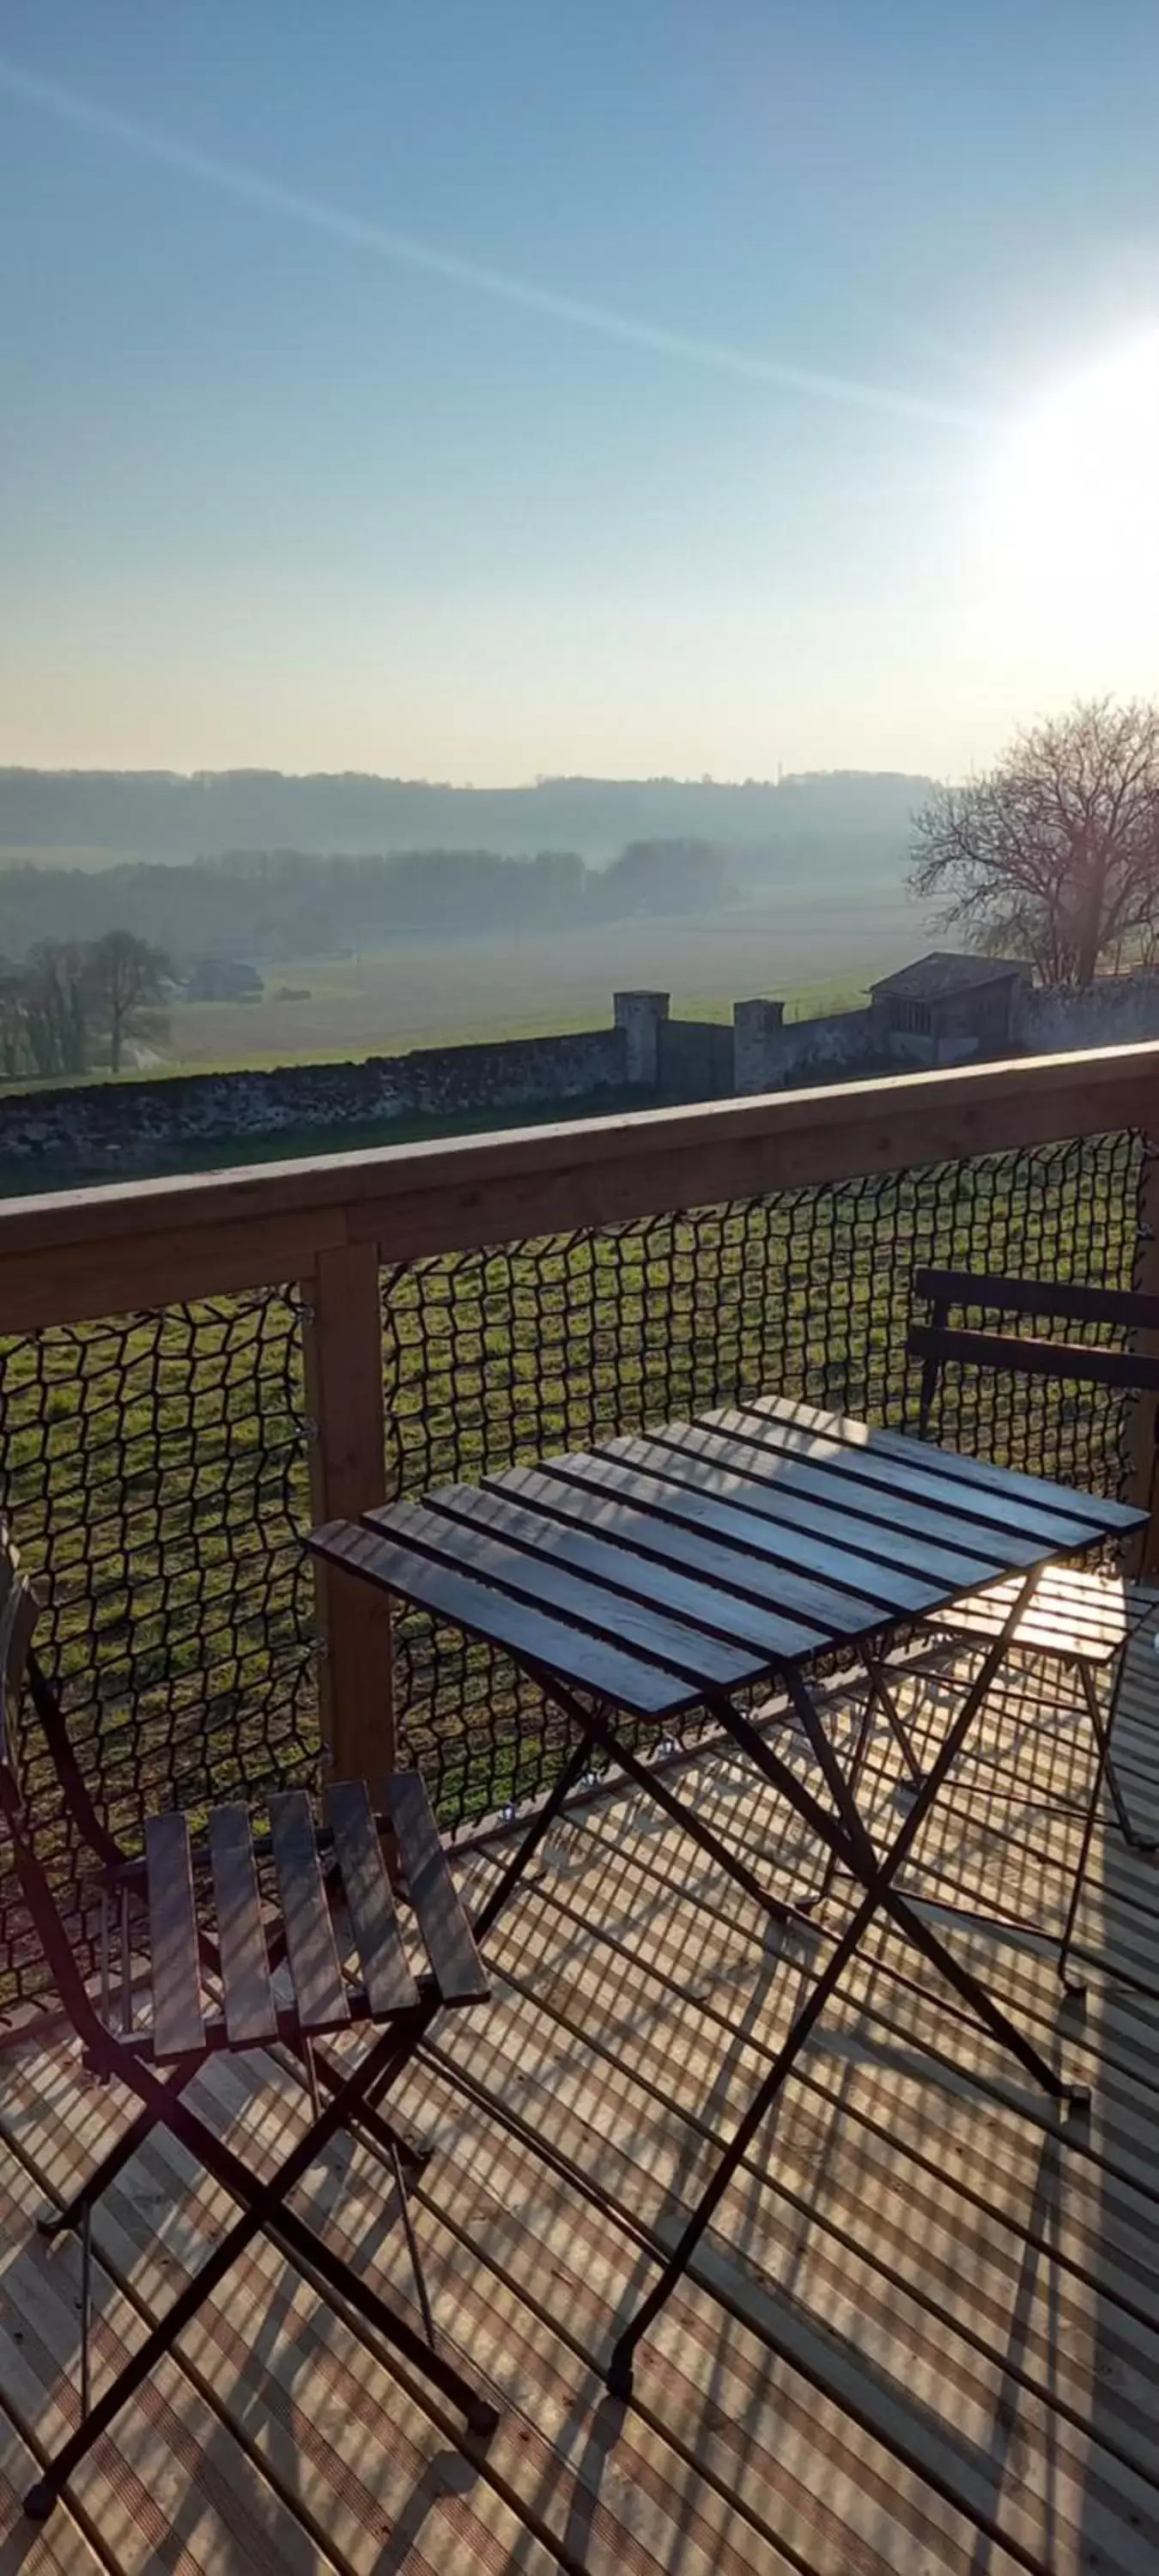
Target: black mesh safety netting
510,1354
154,1470
155,1466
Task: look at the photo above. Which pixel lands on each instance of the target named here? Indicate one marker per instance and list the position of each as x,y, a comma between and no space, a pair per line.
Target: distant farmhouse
947,1008
223,979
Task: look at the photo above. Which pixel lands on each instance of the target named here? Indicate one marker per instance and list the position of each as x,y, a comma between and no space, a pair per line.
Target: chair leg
263,2207
1104,1770
1103,1732
141,2364
294,2236
86,2307
412,2247
1075,1985
58,2222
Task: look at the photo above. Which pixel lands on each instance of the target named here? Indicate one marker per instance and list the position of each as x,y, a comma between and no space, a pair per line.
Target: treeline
163,815
289,903
74,1004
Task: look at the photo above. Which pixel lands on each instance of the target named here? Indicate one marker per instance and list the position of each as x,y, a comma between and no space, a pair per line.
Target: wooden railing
331,1224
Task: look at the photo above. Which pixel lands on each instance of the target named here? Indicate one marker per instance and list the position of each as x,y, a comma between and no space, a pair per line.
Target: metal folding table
687,1569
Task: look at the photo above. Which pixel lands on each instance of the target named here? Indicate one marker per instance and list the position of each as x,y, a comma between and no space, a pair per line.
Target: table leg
778,1910
974,1993
877,1877
619,2371
849,1841
880,1692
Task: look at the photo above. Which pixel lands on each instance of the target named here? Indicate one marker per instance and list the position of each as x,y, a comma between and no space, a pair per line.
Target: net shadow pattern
511,1353
154,1469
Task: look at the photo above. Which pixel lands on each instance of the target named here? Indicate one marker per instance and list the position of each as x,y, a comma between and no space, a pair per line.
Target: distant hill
781,827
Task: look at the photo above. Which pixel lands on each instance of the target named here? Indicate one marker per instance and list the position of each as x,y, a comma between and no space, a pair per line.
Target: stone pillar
757,1050
641,1016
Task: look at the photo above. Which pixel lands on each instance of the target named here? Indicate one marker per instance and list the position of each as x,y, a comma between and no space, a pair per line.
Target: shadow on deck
921,2338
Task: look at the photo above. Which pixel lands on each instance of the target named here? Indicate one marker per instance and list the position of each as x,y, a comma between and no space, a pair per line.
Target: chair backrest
937,1341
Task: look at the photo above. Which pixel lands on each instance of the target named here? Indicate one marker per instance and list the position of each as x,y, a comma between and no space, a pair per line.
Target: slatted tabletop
707,1556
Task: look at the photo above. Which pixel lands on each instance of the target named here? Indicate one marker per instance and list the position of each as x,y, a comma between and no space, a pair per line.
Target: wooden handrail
86,1253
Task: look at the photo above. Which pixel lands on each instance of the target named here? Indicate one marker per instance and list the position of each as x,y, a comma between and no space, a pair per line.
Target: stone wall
1120,1010
117,1126
773,1055
695,1060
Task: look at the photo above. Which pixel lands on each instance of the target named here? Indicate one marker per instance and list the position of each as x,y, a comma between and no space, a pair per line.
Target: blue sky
485,387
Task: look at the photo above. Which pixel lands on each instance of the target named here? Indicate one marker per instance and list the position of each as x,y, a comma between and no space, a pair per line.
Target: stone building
948,1008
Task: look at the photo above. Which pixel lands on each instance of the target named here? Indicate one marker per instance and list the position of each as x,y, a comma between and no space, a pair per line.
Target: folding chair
156,2032
1078,1619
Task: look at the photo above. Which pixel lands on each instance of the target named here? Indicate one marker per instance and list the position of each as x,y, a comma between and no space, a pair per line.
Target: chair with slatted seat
162,2017
1081,1620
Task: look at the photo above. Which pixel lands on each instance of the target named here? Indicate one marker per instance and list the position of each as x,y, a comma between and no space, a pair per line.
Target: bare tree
1054,854
125,979
14,1054
58,1008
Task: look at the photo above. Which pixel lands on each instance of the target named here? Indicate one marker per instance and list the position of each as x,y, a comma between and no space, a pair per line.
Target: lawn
452,993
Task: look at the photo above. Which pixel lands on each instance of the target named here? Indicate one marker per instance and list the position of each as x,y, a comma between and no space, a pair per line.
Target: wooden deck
922,2341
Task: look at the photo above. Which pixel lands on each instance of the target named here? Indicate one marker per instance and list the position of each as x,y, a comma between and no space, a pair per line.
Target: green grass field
451,993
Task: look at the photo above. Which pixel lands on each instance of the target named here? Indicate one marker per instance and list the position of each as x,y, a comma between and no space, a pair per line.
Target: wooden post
343,1348
1143,1431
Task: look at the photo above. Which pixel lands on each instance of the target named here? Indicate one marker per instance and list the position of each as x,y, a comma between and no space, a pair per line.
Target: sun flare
1071,530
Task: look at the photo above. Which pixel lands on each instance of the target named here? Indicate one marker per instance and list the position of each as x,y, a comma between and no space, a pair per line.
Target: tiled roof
944,970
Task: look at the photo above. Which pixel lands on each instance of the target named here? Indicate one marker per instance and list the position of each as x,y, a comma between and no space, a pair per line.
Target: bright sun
1071,530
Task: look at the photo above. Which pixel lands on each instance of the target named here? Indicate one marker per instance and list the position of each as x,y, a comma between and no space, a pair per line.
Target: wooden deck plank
1026,1977
745,1928
1099,2225
849,2293
927,2441
798,2462
474,2149
915,2344
870,2199
835,2561
715,1998
160,2490
519,2452
541,2456
332,2429
59,2547
1008,1968
959,1819
881,1979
